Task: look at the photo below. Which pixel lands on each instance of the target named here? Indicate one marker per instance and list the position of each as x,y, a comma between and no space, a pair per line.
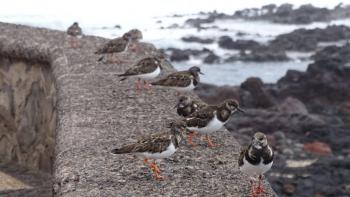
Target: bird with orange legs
145,69
210,119
255,160
156,146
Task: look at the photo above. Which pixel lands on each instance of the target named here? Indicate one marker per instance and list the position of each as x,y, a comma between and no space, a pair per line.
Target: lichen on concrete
97,112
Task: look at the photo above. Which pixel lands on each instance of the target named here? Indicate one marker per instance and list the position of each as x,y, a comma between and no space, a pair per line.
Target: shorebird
156,146
74,32
117,45
255,160
186,106
145,69
182,80
135,37
210,119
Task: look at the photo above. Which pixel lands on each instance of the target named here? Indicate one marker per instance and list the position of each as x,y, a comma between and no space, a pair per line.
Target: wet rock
292,105
318,148
335,53
307,39
212,94
212,58
325,77
260,97
226,42
179,55
197,39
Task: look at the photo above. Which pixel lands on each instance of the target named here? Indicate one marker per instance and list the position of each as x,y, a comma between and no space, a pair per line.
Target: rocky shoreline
306,116
301,40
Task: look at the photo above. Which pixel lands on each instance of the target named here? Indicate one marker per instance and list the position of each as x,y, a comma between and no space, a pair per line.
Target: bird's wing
200,118
113,46
178,79
144,66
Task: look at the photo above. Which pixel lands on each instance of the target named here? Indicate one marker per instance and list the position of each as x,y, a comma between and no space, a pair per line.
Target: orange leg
260,189
146,85
156,171
138,86
252,189
189,138
210,143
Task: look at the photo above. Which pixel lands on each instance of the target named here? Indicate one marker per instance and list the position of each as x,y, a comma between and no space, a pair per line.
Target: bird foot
210,143
190,140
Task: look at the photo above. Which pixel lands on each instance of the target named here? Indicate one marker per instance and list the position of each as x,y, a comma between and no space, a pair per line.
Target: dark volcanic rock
307,39
322,84
269,121
197,39
184,55
260,97
212,94
314,180
260,56
226,42
335,53
212,58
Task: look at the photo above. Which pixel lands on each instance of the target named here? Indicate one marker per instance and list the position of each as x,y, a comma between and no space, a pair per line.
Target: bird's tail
123,150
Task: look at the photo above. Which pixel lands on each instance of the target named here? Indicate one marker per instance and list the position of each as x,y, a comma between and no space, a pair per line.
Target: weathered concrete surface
27,114
97,112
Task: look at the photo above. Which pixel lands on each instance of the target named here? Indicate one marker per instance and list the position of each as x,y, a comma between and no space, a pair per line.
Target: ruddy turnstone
156,146
135,37
187,106
74,32
255,160
182,80
117,45
147,68
210,119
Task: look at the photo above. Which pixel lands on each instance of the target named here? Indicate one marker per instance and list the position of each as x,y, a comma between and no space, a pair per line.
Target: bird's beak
201,73
240,110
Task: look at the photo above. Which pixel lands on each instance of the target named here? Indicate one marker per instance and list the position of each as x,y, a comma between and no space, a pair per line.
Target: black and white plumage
187,106
156,146
256,159
211,118
146,69
182,80
74,32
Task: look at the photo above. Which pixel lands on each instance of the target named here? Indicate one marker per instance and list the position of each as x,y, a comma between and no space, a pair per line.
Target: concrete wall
27,114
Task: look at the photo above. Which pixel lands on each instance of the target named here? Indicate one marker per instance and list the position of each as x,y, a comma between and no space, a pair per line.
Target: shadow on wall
27,114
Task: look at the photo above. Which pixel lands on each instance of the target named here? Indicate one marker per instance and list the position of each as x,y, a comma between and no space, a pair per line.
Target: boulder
260,98
197,39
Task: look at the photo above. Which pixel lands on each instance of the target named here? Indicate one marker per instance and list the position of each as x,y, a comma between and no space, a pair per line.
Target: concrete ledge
97,112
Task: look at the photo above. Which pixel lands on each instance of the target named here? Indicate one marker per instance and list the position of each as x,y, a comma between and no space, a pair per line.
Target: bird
255,160
116,45
156,146
210,119
147,68
182,80
186,106
74,32
135,37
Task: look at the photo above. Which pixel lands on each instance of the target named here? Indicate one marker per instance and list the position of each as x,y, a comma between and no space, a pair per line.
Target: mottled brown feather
144,66
116,45
177,79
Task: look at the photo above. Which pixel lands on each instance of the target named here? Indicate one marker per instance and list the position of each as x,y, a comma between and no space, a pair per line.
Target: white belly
253,170
185,89
161,155
151,75
213,126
